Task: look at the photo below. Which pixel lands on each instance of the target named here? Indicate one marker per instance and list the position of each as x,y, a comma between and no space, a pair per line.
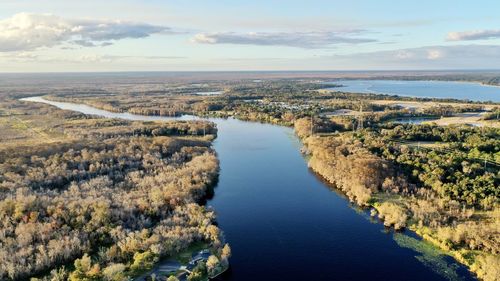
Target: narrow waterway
284,223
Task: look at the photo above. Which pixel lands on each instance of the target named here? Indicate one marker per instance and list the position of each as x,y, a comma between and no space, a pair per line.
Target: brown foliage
349,166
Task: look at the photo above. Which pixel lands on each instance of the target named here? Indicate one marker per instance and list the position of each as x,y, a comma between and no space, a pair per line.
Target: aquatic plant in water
430,256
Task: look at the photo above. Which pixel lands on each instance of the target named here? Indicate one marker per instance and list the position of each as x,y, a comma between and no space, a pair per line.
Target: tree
115,272
213,265
490,269
85,270
199,272
172,278
143,261
58,274
225,254
392,214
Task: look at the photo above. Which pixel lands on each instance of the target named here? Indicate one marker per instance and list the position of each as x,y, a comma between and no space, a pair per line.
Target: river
284,223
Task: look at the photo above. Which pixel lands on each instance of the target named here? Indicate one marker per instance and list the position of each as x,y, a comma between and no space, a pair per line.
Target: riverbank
373,183
319,202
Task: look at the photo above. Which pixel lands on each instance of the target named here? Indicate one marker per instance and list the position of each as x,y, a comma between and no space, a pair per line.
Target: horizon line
256,71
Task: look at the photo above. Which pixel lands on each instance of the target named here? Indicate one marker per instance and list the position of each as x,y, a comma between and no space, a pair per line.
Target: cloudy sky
155,35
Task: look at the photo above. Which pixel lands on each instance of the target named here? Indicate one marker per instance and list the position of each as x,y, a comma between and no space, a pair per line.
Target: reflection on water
412,120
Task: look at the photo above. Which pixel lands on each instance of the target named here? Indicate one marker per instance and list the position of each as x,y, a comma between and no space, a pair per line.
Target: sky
222,35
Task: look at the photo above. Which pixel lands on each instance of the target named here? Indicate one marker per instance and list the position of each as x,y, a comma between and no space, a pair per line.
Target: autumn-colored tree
85,270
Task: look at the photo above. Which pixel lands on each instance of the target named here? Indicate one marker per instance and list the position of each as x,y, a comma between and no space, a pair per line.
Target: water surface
284,223
209,93
422,89
412,120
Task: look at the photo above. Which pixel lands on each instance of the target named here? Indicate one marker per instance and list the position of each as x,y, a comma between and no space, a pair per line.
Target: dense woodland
95,199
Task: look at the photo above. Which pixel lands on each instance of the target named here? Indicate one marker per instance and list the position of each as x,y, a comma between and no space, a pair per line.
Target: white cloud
474,35
92,59
438,57
306,40
434,54
403,54
26,32
429,57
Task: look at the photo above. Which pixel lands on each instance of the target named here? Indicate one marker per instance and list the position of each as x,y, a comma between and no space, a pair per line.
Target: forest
84,198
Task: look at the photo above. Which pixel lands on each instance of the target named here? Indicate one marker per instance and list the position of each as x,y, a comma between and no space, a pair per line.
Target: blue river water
422,89
284,223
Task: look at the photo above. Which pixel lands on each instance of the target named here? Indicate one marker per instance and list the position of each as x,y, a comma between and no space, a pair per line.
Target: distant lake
209,93
422,89
412,120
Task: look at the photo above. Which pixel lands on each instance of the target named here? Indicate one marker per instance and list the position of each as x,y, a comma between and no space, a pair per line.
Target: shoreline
482,83
425,233
339,86
410,228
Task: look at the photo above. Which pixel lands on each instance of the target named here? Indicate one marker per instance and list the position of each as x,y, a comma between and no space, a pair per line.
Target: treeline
276,87
495,81
348,166
158,104
456,171
483,137
493,115
487,78
305,127
109,128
